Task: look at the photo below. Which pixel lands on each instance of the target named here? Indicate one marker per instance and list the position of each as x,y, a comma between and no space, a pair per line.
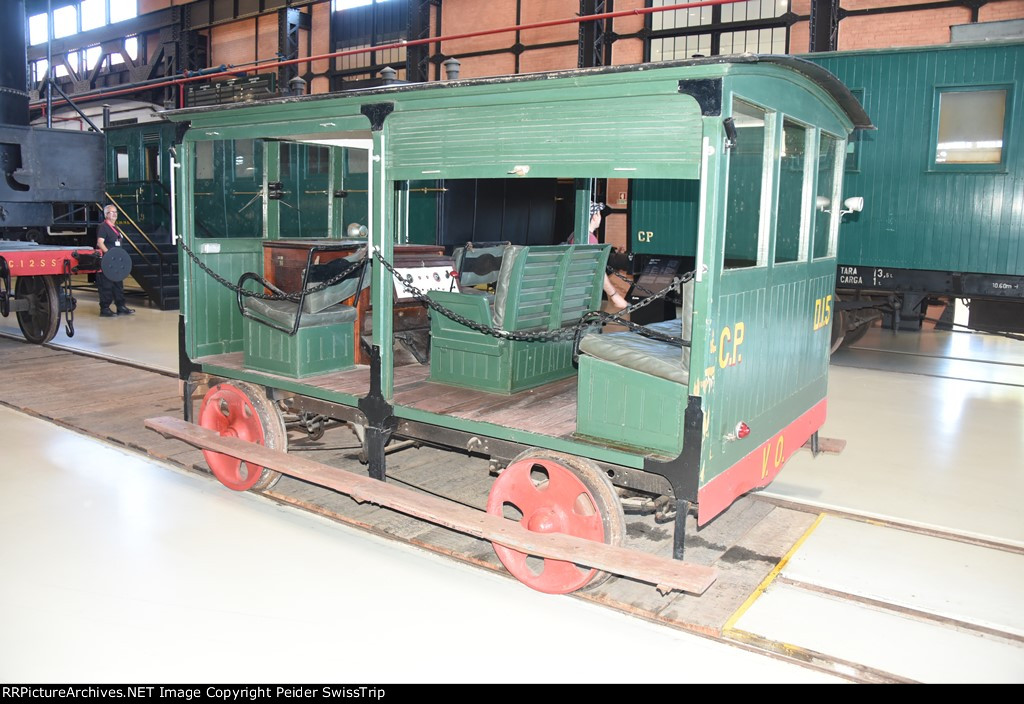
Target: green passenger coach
341,298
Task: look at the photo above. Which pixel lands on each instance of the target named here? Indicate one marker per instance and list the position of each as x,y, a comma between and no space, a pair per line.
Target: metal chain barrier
294,297
561,334
616,274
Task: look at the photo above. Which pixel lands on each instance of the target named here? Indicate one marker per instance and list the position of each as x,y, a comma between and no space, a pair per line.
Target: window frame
766,209
807,188
838,170
933,141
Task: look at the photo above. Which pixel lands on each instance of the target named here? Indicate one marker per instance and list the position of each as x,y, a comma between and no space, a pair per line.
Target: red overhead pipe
180,82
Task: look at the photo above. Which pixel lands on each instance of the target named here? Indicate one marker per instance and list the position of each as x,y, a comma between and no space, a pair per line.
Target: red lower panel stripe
760,467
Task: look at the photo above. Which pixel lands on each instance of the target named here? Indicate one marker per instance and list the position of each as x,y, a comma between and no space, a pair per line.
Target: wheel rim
237,411
40,322
551,499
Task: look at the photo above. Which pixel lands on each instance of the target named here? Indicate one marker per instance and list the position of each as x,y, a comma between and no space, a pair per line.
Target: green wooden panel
767,359
629,408
580,138
214,325
916,217
663,216
311,350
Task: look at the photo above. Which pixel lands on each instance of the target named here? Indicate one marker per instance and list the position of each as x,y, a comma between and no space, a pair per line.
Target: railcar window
287,156
121,163
356,182
319,161
793,169
204,161
245,168
228,199
825,195
971,125
152,162
306,197
743,200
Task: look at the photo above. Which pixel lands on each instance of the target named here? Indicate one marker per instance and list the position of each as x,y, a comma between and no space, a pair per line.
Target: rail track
110,399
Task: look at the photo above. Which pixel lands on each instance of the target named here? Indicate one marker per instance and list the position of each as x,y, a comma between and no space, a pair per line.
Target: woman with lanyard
110,235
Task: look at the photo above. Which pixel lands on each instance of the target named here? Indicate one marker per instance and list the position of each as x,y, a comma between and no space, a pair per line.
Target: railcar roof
811,71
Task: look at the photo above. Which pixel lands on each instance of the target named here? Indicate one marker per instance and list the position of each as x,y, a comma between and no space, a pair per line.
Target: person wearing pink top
595,222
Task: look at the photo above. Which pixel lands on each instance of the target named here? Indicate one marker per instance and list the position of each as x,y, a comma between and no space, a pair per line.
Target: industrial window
792,172
670,48
825,195
756,25
771,40
360,24
38,26
90,57
65,21
970,127
121,10
743,199
38,70
131,47
72,18
94,14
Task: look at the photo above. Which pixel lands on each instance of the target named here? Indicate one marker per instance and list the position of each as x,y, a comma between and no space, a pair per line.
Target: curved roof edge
826,80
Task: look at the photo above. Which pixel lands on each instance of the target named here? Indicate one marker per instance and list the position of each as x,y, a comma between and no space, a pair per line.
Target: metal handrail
141,232
158,203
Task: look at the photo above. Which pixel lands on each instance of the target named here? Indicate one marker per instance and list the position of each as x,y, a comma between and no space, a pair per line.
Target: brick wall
233,43
908,28
154,5
321,44
1008,10
628,51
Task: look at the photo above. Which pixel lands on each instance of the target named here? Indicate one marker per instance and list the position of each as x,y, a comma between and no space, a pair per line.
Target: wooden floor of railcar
546,410
899,559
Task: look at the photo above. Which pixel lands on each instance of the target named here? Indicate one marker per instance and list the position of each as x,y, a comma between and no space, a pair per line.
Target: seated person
595,222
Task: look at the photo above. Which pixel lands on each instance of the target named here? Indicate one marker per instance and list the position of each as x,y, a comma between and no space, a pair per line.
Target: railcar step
831,446
665,573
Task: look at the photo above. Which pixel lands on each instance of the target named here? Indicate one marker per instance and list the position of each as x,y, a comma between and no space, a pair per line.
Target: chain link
294,297
629,281
587,321
567,333
560,334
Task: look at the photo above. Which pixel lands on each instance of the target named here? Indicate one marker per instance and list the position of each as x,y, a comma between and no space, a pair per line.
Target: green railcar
701,409
138,173
942,179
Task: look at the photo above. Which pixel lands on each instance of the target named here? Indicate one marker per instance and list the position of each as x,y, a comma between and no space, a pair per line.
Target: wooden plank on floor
664,573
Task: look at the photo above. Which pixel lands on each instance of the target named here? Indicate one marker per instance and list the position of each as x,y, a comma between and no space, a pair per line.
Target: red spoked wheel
548,492
240,410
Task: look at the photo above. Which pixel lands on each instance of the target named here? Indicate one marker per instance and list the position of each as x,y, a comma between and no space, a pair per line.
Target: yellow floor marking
771,576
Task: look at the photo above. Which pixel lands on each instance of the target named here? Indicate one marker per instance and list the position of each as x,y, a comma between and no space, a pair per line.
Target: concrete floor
120,569
149,570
